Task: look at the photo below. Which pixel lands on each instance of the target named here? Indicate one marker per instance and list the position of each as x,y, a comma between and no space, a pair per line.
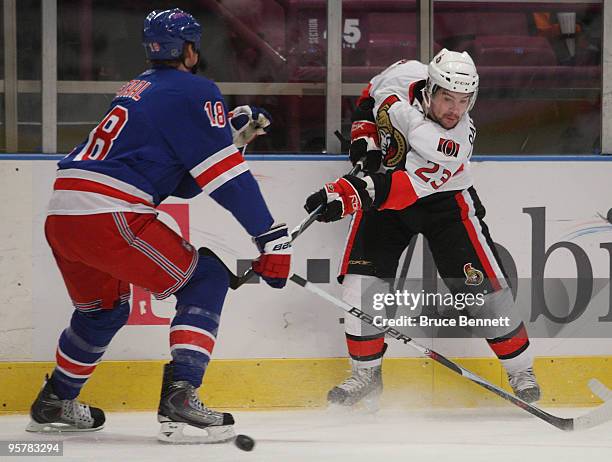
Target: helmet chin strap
427,101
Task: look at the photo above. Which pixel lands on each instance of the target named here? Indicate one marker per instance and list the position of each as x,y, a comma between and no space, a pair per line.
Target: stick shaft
591,419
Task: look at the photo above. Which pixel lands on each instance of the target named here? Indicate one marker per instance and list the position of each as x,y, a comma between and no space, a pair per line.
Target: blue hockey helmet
165,33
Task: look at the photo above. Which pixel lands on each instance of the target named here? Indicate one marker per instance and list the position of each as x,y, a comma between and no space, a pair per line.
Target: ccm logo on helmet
449,148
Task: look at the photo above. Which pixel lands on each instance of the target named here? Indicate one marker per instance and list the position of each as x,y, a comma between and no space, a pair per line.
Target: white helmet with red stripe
453,71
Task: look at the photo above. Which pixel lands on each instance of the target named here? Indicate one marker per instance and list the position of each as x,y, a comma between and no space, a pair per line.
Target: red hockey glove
341,198
274,263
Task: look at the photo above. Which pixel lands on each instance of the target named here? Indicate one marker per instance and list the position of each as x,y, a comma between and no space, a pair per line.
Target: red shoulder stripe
390,100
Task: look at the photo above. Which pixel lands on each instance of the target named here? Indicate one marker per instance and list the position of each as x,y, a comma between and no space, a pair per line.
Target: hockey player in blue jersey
167,133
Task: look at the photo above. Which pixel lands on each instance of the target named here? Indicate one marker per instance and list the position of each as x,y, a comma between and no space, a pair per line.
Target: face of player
447,107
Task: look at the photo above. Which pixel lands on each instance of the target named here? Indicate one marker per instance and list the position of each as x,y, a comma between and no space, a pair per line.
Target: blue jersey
166,134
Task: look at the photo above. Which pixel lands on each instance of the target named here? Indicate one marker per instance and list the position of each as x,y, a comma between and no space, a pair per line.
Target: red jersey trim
218,169
473,235
401,194
78,184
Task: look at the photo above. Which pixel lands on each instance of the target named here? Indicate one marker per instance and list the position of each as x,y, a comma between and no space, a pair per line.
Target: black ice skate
51,414
180,408
363,386
525,385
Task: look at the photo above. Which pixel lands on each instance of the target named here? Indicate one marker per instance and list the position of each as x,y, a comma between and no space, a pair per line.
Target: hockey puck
246,443
609,216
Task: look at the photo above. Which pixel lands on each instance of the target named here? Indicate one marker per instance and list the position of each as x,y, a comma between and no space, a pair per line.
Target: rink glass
536,96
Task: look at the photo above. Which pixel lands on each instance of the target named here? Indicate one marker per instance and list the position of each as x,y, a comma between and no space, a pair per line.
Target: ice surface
491,435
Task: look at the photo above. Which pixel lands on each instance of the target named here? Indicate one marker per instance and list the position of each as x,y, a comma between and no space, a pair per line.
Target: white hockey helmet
453,71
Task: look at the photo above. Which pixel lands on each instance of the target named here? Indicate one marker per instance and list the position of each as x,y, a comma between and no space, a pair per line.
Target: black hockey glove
371,158
364,137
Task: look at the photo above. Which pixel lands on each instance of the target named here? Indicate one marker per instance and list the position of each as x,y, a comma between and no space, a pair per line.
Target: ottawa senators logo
392,142
473,277
449,148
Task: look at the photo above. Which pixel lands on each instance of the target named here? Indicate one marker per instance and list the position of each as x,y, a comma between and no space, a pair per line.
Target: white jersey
435,159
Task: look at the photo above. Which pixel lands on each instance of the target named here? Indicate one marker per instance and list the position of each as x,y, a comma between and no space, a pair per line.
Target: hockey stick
597,416
237,281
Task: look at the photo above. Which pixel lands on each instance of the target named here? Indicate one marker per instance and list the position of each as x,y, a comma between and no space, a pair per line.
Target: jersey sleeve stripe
224,177
210,161
219,169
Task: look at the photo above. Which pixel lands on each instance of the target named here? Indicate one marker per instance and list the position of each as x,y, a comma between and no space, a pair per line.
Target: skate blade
338,408
174,433
370,404
367,405
57,427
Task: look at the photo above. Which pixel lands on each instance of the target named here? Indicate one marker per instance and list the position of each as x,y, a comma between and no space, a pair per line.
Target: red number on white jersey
215,114
428,175
102,137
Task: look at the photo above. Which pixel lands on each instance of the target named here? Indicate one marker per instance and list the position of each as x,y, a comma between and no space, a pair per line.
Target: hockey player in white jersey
413,133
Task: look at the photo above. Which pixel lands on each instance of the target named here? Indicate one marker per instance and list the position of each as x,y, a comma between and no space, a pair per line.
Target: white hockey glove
248,122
